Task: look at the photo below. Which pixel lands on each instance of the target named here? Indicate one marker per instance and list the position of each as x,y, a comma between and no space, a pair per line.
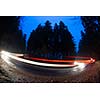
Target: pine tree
38,40
51,43
90,42
65,39
11,38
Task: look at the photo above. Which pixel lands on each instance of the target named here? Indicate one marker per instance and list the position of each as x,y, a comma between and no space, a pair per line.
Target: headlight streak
5,58
34,62
78,65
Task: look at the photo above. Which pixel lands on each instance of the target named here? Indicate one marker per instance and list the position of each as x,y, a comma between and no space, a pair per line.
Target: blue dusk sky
28,23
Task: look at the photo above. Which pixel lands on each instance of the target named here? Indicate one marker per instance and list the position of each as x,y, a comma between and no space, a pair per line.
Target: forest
50,42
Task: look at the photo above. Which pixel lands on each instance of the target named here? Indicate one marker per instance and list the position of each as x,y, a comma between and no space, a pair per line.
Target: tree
90,42
38,40
11,38
65,40
51,43
21,41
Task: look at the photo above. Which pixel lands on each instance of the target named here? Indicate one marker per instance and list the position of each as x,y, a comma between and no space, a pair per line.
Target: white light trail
10,55
5,58
80,67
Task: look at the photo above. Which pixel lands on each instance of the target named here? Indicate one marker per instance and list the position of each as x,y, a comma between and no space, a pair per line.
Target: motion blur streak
71,61
10,55
5,58
81,66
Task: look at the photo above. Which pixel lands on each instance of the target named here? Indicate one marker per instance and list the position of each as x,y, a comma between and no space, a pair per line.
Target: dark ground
8,74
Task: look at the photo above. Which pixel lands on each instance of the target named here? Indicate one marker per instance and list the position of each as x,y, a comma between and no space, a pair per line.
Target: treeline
50,42
11,38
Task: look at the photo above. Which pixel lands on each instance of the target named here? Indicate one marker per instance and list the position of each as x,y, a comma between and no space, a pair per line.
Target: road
45,66
43,74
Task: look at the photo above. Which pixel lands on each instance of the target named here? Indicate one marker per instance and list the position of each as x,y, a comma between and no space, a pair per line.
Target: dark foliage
51,43
11,38
90,42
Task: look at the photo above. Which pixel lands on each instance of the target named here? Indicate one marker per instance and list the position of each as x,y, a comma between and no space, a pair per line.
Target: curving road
45,66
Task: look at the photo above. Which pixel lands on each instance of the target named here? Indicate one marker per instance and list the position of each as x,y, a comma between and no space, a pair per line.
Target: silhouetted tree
51,43
11,38
65,44
38,40
21,41
90,42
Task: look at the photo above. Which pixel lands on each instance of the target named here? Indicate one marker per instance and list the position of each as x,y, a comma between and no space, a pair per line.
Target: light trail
5,53
48,63
65,61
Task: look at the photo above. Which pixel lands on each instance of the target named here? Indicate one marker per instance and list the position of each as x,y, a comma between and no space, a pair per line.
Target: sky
28,23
